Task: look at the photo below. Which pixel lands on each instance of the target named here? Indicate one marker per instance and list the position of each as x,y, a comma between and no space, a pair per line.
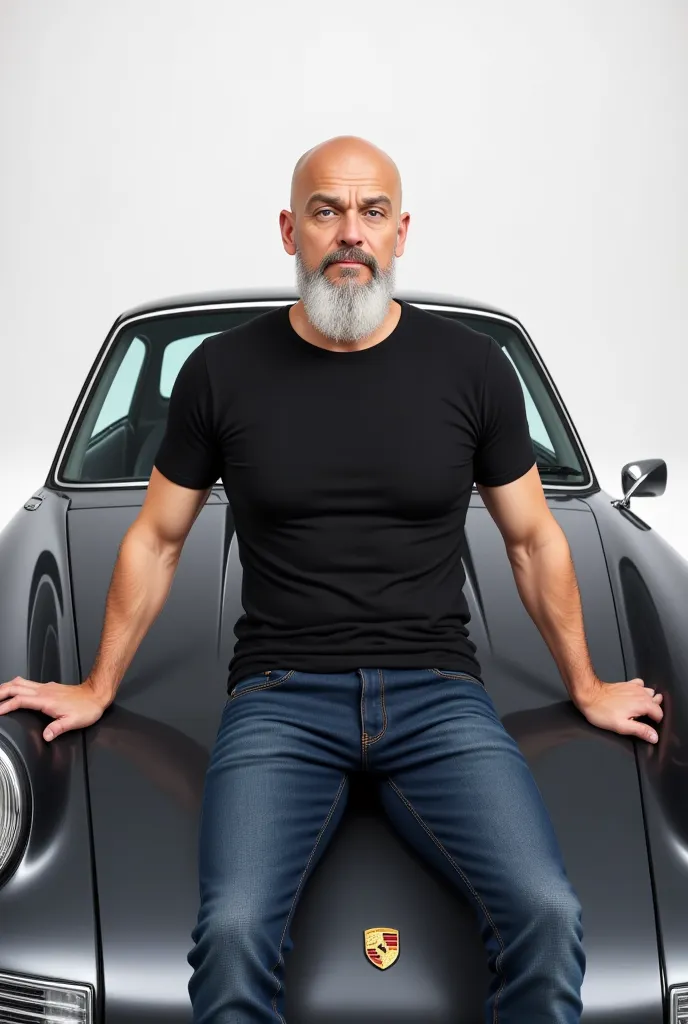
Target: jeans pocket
260,681
455,675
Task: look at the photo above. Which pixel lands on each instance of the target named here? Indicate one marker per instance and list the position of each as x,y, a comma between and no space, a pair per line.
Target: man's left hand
615,706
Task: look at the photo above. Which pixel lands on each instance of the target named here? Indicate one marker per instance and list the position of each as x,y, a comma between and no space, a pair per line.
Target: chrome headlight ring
15,810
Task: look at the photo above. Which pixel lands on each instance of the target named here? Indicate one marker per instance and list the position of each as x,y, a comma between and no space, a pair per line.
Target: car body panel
48,913
147,759
107,891
650,579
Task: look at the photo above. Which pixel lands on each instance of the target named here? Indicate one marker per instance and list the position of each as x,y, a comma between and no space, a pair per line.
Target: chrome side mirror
643,479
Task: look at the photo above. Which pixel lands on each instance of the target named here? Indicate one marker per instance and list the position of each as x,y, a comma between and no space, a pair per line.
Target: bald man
348,429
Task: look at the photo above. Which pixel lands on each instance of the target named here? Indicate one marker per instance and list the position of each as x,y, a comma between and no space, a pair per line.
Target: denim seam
363,733
298,890
263,686
454,675
374,739
471,889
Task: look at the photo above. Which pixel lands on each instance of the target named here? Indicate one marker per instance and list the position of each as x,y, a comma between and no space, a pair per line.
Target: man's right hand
141,580
70,707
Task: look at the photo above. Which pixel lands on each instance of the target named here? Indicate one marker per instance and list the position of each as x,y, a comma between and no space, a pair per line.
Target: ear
402,231
287,229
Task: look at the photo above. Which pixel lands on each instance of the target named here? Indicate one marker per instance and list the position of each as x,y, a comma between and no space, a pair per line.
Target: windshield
123,420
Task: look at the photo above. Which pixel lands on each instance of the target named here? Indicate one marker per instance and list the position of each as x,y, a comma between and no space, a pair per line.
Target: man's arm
545,577
141,580
142,577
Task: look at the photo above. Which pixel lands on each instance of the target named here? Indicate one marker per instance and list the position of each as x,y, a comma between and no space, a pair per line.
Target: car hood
148,754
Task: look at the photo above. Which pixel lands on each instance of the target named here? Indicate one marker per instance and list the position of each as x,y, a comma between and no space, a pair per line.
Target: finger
17,681
35,701
654,711
658,697
12,689
643,732
633,687
57,727
9,705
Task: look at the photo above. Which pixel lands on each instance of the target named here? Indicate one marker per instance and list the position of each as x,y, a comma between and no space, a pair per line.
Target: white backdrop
147,149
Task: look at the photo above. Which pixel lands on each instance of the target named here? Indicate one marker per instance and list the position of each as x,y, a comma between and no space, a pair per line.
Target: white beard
347,310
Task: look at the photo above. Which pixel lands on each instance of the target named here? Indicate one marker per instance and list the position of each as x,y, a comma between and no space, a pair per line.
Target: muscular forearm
141,581
546,581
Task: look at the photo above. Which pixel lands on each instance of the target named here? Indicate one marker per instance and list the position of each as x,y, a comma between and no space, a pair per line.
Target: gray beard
346,311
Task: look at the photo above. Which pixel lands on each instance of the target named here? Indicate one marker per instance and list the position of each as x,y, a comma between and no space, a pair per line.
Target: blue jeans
453,782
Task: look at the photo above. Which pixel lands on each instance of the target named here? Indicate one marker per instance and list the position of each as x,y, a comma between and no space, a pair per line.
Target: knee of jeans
230,924
554,910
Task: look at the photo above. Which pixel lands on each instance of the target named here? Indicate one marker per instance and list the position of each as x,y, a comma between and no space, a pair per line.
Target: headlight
14,811
679,1005
40,999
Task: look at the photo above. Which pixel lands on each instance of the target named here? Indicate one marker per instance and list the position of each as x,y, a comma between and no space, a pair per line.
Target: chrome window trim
143,482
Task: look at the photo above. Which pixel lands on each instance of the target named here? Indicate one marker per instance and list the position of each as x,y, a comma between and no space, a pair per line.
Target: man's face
346,231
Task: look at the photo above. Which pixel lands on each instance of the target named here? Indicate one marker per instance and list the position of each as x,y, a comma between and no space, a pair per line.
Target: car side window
118,398
538,431
174,357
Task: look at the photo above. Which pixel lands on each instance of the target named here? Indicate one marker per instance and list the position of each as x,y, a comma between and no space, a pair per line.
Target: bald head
346,157
345,228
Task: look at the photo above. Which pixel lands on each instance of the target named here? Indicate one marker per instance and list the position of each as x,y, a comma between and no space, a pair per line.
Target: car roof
250,295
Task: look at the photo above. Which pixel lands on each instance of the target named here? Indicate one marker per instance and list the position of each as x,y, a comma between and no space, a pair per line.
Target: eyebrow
322,197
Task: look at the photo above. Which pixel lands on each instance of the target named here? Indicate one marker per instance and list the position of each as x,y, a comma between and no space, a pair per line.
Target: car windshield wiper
560,470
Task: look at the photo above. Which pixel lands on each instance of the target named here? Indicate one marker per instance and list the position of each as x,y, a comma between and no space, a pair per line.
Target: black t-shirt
349,474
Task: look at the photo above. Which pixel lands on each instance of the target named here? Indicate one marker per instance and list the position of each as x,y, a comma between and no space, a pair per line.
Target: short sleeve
188,453
505,450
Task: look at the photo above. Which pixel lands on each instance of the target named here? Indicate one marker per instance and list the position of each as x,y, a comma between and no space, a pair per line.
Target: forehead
341,171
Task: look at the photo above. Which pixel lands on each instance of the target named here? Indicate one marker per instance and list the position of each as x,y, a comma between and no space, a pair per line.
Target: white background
147,149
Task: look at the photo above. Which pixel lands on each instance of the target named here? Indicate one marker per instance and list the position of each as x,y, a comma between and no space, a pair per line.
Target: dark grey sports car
98,829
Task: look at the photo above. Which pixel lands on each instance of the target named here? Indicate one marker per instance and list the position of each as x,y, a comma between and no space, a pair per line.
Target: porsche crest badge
381,946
